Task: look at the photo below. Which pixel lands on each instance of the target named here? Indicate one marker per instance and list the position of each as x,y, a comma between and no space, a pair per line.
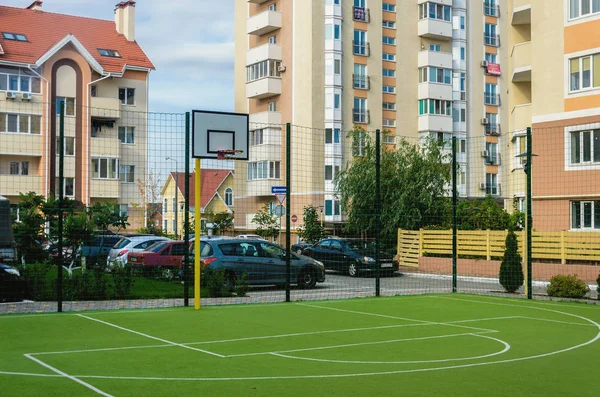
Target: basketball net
228,154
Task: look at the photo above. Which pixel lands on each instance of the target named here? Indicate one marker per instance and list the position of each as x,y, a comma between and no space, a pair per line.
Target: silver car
118,255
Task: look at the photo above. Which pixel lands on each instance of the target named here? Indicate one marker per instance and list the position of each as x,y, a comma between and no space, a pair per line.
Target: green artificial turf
438,345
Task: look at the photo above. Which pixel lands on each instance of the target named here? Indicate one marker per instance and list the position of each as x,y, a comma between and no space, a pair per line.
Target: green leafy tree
29,231
511,269
482,215
268,226
312,231
414,181
223,221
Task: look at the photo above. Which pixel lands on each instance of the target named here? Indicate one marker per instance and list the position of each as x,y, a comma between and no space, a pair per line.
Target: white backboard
214,131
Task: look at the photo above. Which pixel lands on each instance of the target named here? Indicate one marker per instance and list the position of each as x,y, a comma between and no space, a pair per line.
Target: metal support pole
529,215
61,191
454,220
197,229
378,212
186,215
288,182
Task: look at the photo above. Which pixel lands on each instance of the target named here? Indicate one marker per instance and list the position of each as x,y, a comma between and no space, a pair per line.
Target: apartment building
555,88
415,68
95,70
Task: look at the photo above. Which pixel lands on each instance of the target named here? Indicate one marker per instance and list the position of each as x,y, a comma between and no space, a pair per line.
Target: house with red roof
96,72
217,196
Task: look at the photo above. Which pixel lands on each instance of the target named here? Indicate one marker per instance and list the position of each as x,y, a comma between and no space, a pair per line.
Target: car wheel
353,269
229,282
307,280
299,251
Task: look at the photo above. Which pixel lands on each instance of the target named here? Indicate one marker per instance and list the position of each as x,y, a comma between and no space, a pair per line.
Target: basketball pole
197,232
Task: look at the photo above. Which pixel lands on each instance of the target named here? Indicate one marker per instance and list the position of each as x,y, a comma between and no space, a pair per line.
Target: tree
267,223
414,181
481,215
223,221
150,192
29,231
312,231
511,269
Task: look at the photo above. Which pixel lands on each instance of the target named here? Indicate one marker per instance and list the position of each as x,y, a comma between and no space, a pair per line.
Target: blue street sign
279,189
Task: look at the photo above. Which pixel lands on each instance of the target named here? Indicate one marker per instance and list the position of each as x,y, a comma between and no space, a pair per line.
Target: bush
511,270
567,287
598,289
91,284
214,282
242,286
123,281
36,281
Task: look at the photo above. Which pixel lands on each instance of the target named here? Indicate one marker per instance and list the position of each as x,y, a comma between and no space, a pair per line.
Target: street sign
279,189
279,211
294,218
280,198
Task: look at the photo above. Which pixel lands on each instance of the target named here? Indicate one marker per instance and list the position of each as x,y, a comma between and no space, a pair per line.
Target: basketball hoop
227,154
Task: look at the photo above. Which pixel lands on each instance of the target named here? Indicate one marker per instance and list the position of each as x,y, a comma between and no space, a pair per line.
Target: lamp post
176,206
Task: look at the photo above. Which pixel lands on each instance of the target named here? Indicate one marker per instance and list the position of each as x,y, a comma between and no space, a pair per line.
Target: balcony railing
361,81
361,14
361,116
492,99
494,190
491,40
492,10
492,129
361,48
492,159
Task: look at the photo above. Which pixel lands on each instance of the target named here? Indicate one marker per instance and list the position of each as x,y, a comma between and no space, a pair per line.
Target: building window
389,106
104,168
584,72
491,96
582,8
229,197
20,123
389,73
435,47
389,24
462,22
491,186
69,148
389,140
126,135
389,7
21,82
435,75
123,209
332,135
435,107
360,112
432,10
490,58
389,122
127,173
256,137
259,70
492,153
273,6
174,205
165,224
332,207
463,53
264,170
94,91
490,36
359,144
389,40
360,79
389,57
389,89
127,96
14,36
109,53
520,147
585,147
67,103
585,215
333,31
165,206
359,45
272,106
489,8
19,168
273,39
68,186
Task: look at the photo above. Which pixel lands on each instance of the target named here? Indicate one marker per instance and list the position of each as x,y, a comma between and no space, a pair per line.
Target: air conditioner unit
482,186
484,64
11,95
485,121
26,96
484,153
281,68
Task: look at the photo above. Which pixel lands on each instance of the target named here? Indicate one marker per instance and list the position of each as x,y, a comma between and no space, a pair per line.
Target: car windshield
156,247
357,245
122,243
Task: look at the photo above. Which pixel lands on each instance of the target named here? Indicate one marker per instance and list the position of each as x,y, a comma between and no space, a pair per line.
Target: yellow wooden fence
488,244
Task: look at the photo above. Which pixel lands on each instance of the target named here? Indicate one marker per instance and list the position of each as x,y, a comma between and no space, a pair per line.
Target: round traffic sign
279,210
294,218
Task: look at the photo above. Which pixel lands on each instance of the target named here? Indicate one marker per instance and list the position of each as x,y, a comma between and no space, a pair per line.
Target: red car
159,254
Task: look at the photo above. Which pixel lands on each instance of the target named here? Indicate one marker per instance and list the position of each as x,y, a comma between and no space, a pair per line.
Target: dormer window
14,36
109,53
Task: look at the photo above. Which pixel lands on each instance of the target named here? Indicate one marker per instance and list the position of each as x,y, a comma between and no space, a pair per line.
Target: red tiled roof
45,29
211,179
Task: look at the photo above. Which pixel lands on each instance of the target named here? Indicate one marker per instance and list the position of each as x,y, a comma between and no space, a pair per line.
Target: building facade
94,70
418,69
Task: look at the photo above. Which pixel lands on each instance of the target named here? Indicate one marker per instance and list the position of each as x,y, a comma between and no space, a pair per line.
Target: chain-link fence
103,205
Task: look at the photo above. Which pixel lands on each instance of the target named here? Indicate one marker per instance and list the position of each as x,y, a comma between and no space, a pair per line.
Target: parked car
7,241
299,247
118,255
351,256
262,262
12,286
98,247
252,236
160,254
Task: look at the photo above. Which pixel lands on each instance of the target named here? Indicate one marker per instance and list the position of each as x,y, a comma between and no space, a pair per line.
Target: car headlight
12,271
368,259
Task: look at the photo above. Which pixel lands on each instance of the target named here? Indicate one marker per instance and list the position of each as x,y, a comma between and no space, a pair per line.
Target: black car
262,262
299,247
12,286
351,256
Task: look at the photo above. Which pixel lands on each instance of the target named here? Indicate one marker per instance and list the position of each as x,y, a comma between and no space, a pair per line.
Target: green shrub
598,289
123,281
242,286
567,287
36,281
511,270
214,282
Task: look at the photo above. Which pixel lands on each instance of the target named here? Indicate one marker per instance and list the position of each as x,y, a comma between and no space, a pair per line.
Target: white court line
523,302
151,337
106,349
556,321
396,318
73,378
352,345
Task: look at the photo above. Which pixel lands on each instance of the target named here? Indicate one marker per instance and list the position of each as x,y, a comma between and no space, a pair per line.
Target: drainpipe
47,126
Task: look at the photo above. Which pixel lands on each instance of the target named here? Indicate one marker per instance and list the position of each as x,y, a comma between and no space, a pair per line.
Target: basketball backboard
216,131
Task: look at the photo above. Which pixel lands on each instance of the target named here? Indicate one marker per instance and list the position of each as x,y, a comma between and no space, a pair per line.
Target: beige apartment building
98,73
416,68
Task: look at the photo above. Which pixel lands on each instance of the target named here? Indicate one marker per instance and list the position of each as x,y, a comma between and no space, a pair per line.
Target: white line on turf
150,336
73,378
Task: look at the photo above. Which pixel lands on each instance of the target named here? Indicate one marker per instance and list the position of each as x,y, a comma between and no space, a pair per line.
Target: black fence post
61,191
378,212
288,182
529,216
186,222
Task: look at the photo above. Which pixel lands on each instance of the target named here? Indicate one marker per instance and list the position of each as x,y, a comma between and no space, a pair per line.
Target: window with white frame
435,107
20,123
68,104
229,197
331,171
359,44
332,135
492,153
585,215
491,94
435,75
389,122
127,173
389,106
68,186
491,185
388,73
520,147
105,168
389,89
431,10
259,70
20,82
389,40
462,146
273,39
389,7
273,6
123,209
359,144
333,31
389,139
264,170
490,8
583,8
491,58
389,57
19,168
360,79
490,37
332,207
272,106
389,24
174,205
127,135
69,146
584,72
127,96
435,47
257,137
165,225
165,206
585,147
360,112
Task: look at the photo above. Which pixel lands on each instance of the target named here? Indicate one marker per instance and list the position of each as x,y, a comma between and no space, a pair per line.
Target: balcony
12,185
106,108
494,190
434,58
361,116
435,122
521,57
493,130
265,119
435,91
262,53
492,158
263,23
263,88
361,14
361,48
521,117
361,82
491,99
493,40
435,29
521,14
105,147
105,188
21,144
